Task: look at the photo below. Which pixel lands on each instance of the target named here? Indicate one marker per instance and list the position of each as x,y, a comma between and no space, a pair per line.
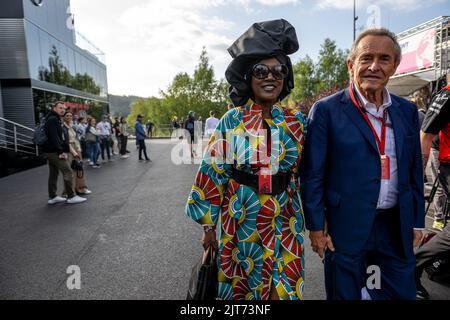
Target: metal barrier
17,138
162,131
165,130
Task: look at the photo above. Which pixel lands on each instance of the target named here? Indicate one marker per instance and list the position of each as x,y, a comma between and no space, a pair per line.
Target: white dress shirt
388,197
104,128
210,125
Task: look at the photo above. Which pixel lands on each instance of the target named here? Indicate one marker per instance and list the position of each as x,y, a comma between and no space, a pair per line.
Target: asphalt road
131,239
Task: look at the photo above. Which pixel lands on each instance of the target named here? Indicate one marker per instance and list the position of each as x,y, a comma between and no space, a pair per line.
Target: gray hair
376,32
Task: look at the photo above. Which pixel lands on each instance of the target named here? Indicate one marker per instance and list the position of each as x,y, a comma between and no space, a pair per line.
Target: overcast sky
147,42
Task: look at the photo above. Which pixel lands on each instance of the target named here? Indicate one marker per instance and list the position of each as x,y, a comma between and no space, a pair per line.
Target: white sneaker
86,192
125,156
91,163
56,199
76,199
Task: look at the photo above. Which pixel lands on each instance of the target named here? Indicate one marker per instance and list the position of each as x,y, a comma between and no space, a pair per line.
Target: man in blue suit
362,179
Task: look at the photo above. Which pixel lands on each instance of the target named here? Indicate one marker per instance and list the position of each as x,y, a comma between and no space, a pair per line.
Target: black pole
354,20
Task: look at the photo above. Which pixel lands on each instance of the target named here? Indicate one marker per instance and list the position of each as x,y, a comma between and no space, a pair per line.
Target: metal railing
162,131
17,138
159,130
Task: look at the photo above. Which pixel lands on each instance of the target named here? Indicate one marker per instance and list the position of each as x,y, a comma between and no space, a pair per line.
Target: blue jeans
93,150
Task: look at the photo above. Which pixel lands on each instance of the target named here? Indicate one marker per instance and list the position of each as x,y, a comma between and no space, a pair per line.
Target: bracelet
209,228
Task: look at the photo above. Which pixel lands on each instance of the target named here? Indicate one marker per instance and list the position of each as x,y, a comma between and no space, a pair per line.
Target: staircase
17,151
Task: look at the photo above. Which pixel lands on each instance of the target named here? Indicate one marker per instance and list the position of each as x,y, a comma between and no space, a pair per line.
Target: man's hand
320,242
63,156
418,235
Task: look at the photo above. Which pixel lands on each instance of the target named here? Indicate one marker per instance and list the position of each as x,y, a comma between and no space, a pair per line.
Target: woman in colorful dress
246,193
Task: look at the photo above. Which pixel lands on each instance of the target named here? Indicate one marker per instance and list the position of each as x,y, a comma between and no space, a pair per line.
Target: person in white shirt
104,129
211,124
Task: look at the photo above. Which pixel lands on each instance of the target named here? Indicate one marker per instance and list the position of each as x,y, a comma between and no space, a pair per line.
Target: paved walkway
131,239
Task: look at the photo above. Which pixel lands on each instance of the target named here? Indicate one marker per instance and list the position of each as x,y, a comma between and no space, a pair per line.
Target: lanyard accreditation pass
381,142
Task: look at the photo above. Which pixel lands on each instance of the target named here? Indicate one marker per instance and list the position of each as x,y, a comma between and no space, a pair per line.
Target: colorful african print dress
260,235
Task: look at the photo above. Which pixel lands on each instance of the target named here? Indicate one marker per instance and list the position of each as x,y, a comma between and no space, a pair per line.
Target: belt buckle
265,181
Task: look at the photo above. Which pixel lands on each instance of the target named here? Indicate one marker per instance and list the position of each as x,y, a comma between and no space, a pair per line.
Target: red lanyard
358,104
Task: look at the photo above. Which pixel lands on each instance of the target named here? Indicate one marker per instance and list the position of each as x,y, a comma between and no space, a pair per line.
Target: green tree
200,93
179,96
305,80
203,82
314,81
57,73
150,109
332,66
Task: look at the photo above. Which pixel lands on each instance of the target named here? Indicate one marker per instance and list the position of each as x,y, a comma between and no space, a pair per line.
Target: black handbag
90,137
77,165
203,284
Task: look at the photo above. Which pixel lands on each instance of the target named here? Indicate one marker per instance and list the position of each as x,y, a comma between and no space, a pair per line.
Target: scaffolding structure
442,57
405,83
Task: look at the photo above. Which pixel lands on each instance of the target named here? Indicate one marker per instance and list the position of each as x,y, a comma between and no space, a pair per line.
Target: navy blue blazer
341,172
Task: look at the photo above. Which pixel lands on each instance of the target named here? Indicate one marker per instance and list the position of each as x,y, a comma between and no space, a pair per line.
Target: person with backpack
56,149
189,125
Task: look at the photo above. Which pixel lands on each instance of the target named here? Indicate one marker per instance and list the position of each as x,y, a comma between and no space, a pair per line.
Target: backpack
39,136
190,125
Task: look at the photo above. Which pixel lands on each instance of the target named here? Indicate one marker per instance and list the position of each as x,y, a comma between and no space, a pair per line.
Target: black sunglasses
261,71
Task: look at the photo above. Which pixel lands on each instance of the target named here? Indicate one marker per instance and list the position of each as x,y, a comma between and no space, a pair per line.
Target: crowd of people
105,138
70,139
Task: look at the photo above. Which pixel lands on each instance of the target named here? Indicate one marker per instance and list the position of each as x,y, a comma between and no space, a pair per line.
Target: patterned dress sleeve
303,121
207,193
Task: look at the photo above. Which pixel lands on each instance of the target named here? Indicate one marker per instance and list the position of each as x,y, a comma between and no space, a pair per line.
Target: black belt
389,211
280,181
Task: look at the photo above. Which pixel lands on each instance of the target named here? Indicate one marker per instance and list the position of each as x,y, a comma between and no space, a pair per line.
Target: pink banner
417,52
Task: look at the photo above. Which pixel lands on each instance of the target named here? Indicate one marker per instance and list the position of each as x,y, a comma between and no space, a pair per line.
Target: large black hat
268,39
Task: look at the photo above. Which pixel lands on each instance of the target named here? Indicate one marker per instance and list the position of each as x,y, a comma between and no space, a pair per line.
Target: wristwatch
209,228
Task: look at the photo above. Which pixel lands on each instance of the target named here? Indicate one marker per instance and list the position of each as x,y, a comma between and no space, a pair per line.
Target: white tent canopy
405,84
